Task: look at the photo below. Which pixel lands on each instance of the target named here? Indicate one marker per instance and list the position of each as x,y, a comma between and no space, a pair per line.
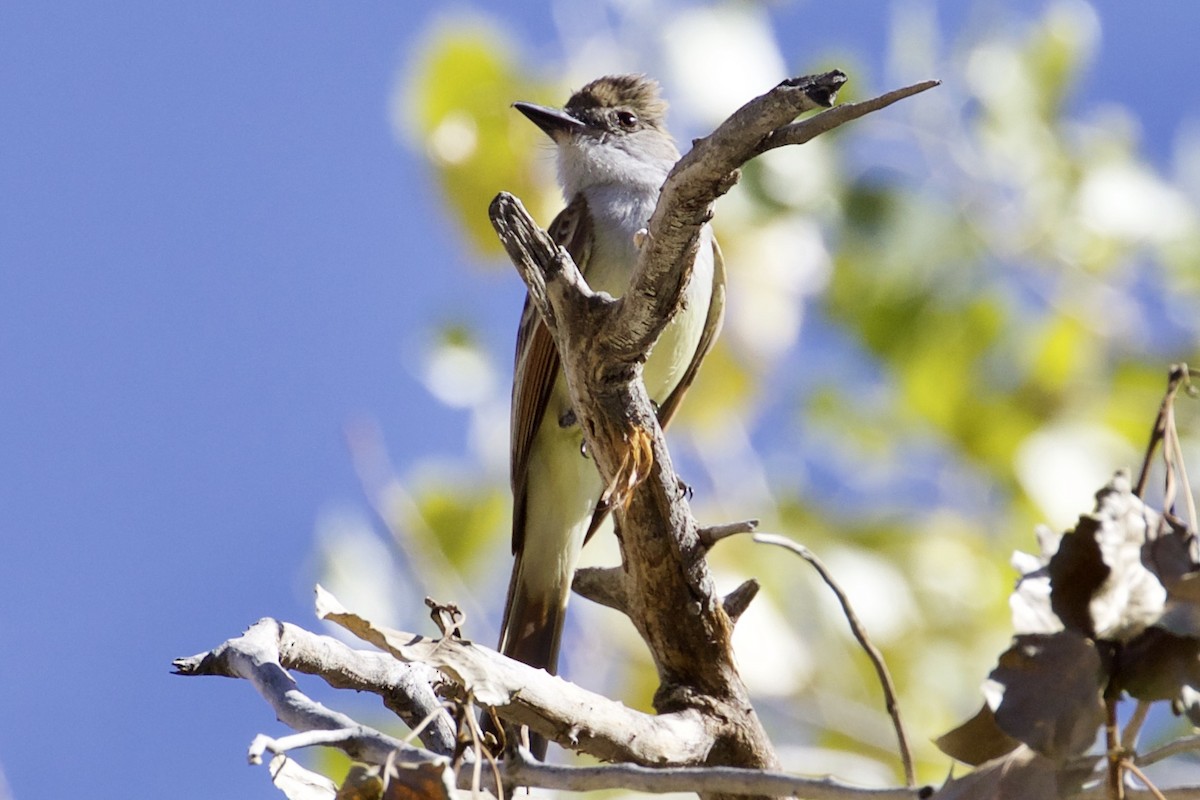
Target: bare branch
297,741
421,778
1178,377
547,269
562,711
296,782
714,533
860,633
1185,744
737,601
704,780
406,689
809,129
254,656
604,585
1113,755
1141,776
1133,727
525,771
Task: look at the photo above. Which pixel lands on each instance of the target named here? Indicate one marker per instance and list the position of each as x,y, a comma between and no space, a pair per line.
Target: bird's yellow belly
672,354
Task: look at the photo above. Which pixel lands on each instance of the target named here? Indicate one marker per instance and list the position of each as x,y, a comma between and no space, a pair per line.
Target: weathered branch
406,689
736,602
583,720
255,656
704,780
555,284
604,585
524,771
714,533
808,129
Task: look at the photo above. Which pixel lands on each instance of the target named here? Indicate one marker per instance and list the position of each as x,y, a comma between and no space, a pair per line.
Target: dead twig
860,633
1179,376
714,533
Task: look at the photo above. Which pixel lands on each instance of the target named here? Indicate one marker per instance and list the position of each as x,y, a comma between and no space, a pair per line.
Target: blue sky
213,256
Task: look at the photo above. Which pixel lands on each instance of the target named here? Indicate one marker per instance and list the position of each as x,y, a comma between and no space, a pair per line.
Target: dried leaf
363,782
402,782
1170,553
1158,665
1189,704
1030,603
1076,572
1104,578
1020,775
420,782
977,740
1046,692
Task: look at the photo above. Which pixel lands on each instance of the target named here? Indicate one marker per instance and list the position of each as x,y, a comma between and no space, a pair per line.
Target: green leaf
458,109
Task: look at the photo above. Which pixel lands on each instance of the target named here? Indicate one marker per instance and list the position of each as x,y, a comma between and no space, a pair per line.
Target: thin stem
1112,749
860,633
1134,726
1141,776
1175,447
1184,745
1178,375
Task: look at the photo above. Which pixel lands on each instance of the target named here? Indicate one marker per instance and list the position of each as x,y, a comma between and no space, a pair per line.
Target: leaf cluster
1106,610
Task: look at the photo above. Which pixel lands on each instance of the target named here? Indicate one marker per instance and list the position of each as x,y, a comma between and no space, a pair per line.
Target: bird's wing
712,327
537,362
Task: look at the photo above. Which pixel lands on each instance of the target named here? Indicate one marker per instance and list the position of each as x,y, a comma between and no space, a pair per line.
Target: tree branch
582,720
809,129
1186,744
603,585
255,656
712,534
736,602
704,780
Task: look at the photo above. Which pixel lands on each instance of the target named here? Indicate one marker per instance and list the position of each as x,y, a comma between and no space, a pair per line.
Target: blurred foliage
462,121
947,323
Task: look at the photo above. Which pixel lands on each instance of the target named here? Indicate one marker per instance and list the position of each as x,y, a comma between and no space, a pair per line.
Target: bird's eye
626,119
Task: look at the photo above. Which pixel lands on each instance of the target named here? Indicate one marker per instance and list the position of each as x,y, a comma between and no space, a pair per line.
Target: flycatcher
613,155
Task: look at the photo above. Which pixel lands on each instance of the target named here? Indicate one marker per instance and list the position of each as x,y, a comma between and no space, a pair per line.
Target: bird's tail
533,623
532,629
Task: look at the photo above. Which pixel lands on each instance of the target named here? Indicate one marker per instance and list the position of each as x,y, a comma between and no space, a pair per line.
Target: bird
613,155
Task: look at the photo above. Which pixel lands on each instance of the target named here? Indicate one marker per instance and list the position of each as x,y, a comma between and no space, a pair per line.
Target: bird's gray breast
617,215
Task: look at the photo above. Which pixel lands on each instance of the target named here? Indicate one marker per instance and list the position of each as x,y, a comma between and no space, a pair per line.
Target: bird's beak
554,122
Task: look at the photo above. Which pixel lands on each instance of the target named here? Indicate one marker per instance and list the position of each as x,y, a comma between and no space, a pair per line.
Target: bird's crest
634,92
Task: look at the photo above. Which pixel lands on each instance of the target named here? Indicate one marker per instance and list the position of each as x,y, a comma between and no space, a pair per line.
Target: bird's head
611,131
